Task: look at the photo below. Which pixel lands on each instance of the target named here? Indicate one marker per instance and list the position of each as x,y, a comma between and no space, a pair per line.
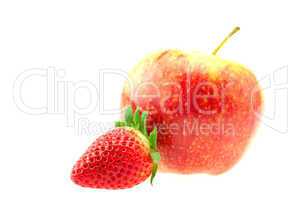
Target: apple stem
236,29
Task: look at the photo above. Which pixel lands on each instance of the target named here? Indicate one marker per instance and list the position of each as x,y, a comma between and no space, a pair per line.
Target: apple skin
205,108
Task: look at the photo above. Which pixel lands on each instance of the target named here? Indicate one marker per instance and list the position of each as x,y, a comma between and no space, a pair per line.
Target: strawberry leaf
153,173
137,118
154,154
120,123
153,139
128,116
143,127
155,157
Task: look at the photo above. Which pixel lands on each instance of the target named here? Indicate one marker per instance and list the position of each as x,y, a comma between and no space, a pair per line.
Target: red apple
205,108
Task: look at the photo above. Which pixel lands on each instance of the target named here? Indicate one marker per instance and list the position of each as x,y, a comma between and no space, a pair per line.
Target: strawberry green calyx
137,121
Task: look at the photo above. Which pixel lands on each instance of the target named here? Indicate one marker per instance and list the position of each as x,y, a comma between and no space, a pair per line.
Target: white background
80,38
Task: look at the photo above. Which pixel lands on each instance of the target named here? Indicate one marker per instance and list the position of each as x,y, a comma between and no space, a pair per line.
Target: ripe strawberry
121,158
